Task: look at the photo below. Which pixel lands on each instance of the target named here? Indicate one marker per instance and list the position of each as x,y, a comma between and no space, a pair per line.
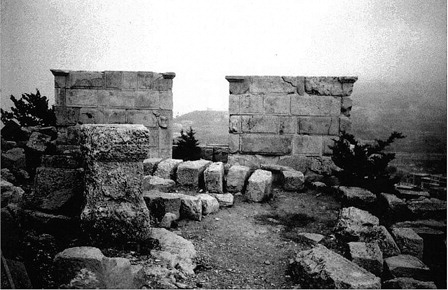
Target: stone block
82,98
394,207
85,79
117,99
161,203
298,82
345,124
297,162
408,241
66,116
147,100
161,84
293,180
427,208
312,237
114,79
327,141
277,104
237,178
225,199
167,168
60,81
270,84
235,124
411,194
323,268
144,79
318,125
308,145
234,143
209,203
38,142
109,142
259,187
14,158
238,85
91,116
214,177
61,161
150,165
367,256
329,86
129,80
168,220
191,173
144,117
221,154
307,105
115,116
407,266
347,85
251,104
259,124
191,207
59,97
266,144
358,197
234,104
156,183
166,100
408,283
346,106
287,125
57,190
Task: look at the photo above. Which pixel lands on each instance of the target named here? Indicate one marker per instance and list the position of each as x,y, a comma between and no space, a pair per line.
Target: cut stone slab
407,266
214,178
427,208
150,165
259,187
315,238
410,194
323,268
209,203
408,283
408,241
237,178
175,251
424,227
38,142
225,199
191,173
367,256
161,203
191,207
384,239
167,168
357,197
156,183
293,180
353,222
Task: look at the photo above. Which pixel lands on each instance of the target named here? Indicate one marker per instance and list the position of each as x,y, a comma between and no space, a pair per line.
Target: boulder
209,204
214,178
406,266
293,180
323,268
175,251
167,168
14,158
156,183
237,178
161,203
150,165
408,283
191,173
38,142
191,207
367,256
427,208
408,241
225,199
259,187
358,197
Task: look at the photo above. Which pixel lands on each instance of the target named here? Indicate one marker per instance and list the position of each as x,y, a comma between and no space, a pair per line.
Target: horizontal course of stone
275,115
118,97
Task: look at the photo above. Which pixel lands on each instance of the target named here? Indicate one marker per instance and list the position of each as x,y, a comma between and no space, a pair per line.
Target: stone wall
276,116
118,97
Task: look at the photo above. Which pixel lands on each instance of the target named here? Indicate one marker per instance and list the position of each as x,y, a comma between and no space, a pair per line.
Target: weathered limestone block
427,208
293,180
161,203
150,165
297,162
57,190
237,178
167,168
85,79
407,266
353,222
191,173
61,161
318,125
209,203
235,124
410,194
238,85
308,145
408,283
307,105
270,84
224,200
323,268
384,239
277,104
214,178
115,210
191,207
394,206
315,238
266,144
14,158
10,193
346,106
144,117
367,256
259,124
330,86
168,220
156,183
345,124
234,143
424,227
38,142
259,186
250,104
408,241
358,197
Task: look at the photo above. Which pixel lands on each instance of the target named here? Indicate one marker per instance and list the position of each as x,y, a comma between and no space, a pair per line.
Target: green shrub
365,165
187,146
30,110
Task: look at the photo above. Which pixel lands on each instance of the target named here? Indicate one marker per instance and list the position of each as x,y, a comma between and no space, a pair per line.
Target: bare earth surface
249,245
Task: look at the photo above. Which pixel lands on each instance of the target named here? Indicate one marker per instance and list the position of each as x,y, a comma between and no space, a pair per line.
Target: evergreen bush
187,146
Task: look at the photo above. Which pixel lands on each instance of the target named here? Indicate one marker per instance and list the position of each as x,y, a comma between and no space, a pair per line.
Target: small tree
30,110
187,146
364,165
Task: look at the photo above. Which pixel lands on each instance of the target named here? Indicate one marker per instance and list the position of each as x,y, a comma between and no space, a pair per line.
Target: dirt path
249,245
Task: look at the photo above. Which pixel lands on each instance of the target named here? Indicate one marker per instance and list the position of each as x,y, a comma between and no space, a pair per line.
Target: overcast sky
203,41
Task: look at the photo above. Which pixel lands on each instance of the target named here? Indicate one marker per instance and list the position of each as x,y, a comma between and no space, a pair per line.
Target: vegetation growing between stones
365,165
187,146
30,110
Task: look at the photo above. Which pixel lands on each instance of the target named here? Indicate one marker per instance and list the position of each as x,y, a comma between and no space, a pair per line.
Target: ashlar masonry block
266,144
318,125
82,98
259,124
308,145
251,104
311,105
277,104
84,79
270,84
